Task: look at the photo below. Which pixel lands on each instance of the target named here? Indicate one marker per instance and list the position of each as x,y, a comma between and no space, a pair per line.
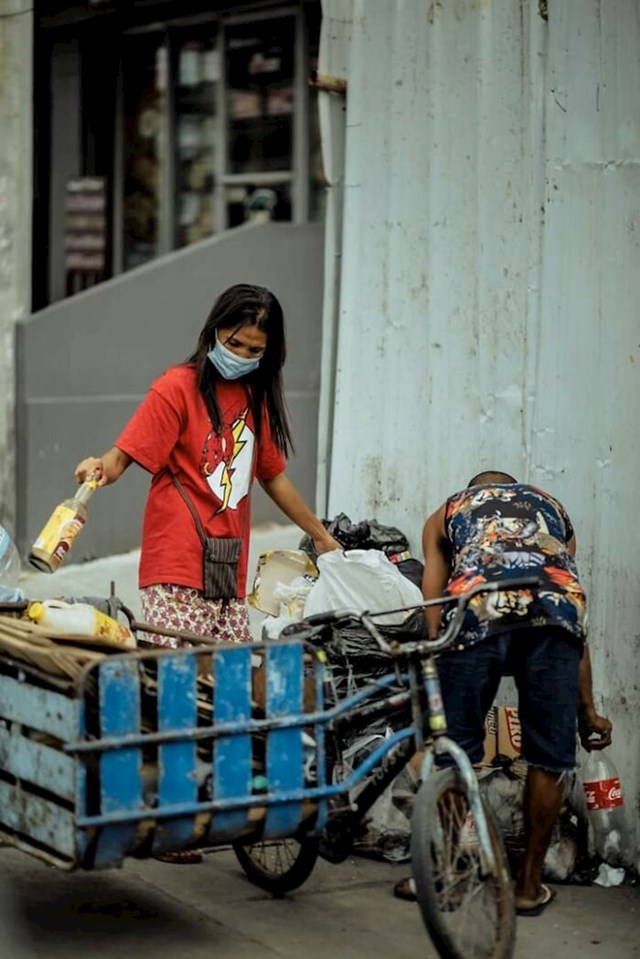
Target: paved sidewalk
150,909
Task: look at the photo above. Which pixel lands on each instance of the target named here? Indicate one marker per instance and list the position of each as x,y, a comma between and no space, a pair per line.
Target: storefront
159,124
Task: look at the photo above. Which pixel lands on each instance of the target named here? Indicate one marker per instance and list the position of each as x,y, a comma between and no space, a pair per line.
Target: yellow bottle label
109,628
59,533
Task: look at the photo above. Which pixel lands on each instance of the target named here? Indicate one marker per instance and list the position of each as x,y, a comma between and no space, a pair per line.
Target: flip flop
405,889
548,895
182,857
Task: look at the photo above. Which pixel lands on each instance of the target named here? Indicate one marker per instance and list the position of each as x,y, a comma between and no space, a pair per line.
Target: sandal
546,898
405,889
182,857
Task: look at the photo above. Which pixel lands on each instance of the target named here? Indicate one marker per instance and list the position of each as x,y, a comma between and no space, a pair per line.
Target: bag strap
191,507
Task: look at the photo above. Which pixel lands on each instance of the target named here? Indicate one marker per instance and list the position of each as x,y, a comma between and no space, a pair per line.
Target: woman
213,423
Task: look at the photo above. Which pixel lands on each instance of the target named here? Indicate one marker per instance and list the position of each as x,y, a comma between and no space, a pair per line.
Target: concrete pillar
16,90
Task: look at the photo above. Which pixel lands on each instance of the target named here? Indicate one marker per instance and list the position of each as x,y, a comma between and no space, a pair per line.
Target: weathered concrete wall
16,44
490,279
84,364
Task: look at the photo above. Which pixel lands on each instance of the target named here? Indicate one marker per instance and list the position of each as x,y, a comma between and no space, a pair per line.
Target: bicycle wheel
278,865
467,912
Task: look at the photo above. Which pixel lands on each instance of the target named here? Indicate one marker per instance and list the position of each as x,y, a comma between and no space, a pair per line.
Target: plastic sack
368,534
502,787
355,660
386,830
361,580
291,598
609,876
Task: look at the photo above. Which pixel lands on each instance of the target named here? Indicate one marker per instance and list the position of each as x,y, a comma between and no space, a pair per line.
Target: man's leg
541,805
469,681
545,666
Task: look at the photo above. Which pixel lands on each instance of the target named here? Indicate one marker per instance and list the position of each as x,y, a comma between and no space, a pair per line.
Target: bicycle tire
439,816
292,865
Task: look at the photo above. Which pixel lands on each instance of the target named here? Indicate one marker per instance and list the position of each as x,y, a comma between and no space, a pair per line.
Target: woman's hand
325,543
91,468
104,469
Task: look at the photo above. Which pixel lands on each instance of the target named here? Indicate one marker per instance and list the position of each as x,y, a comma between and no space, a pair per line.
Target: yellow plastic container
80,619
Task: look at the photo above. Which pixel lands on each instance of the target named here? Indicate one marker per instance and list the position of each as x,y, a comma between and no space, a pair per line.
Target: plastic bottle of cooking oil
79,619
61,529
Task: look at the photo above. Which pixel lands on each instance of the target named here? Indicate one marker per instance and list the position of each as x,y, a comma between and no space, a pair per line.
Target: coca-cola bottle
605,807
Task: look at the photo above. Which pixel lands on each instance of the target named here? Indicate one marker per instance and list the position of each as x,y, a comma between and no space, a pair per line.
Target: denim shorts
545,664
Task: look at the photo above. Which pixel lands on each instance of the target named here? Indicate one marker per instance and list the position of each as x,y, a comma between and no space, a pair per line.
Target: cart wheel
278,865
467,912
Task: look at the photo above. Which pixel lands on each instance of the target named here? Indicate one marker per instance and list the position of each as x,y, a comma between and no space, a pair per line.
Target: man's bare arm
590,723
436,566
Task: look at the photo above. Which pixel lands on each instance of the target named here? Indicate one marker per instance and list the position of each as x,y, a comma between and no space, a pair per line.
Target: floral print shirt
502,532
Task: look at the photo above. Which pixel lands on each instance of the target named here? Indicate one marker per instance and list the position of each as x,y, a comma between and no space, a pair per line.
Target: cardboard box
502,734
278,567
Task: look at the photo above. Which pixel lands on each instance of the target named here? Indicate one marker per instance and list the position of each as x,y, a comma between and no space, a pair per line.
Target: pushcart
154,751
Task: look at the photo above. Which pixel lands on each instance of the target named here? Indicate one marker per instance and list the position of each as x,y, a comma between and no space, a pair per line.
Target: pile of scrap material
71,663
60,660
61,657
70,707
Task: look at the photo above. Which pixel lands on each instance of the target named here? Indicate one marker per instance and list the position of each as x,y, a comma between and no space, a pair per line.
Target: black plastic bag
412,569
370,534
356,659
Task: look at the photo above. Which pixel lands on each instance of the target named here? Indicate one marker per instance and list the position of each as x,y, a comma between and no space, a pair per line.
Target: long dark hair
248,305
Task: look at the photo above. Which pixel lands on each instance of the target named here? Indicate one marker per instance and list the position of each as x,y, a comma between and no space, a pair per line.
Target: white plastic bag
361,579
291,598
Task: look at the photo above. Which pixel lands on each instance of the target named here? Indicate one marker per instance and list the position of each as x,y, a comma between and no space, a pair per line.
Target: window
260,99
196,137
145,148
216,130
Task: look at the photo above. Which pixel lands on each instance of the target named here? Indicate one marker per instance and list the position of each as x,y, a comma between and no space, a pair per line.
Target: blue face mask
228,364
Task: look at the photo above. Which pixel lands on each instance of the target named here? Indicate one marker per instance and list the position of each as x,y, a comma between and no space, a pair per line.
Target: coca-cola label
603,794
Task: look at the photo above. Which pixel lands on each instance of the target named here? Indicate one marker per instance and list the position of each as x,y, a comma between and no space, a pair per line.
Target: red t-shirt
171,432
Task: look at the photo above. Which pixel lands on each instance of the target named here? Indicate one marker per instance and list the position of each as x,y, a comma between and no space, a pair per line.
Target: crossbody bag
220,555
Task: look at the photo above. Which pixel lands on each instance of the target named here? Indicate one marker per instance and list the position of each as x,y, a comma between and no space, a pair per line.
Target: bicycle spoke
278,865
276,856
470,903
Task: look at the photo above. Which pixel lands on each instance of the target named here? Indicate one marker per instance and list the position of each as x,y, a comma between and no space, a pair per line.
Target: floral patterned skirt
181,607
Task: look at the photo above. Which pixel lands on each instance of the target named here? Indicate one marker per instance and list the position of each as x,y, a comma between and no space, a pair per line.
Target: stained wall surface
490,274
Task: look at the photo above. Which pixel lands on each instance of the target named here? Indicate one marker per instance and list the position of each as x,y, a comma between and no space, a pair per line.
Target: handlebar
423,646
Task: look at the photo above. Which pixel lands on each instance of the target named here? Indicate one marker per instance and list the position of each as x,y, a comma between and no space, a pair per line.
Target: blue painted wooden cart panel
139,759
129,764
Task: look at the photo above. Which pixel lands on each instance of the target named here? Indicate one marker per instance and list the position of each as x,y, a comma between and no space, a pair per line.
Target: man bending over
497,529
